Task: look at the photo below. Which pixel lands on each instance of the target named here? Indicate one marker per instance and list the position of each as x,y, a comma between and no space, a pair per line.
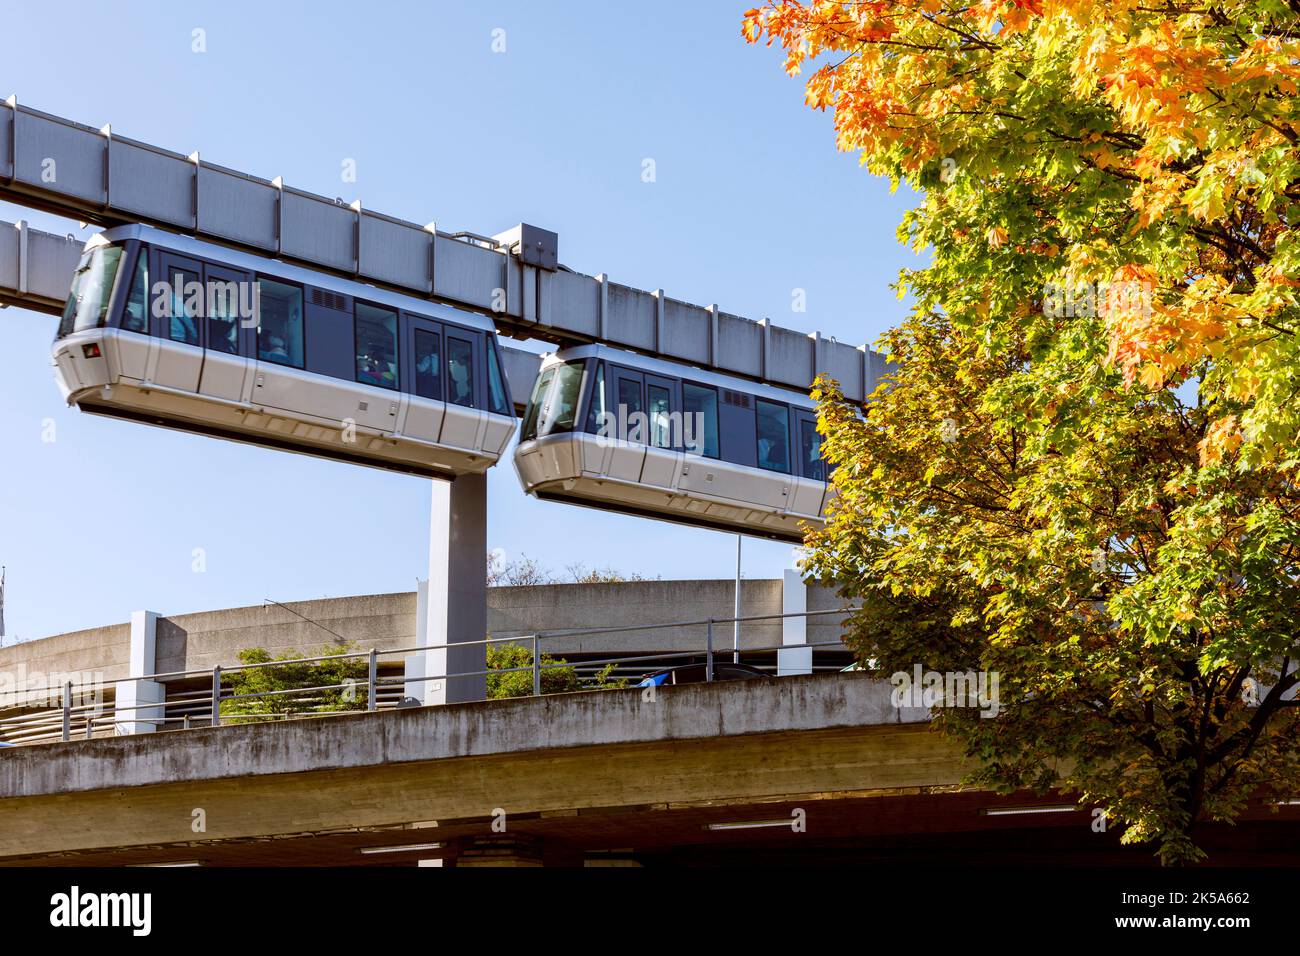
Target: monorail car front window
554,406
279,329
376,346
561,407
92,286
540,387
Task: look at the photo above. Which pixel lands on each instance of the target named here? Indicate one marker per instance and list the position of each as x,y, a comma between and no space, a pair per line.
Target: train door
279,351
134,349
176,349
463,417
228,332
630,426
810,485
663,407
423,363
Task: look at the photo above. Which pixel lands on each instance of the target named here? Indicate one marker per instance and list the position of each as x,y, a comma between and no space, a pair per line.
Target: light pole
735,633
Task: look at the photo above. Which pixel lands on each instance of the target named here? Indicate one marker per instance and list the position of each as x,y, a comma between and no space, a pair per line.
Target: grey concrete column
132,696
456,606
794,658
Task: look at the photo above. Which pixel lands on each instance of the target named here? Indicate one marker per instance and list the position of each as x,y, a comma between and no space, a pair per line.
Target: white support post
416,664
456,602
134,697
795,656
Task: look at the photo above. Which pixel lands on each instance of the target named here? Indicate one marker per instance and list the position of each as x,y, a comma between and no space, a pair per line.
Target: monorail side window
223,315
629,396
279,331
428,365
700,404
460,371
773,436
810,446
376,337
498,404
136,316
184,308
659,400
92,285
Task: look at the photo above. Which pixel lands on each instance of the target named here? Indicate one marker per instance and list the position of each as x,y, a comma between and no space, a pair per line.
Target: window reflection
460,378
136,316
223,316
376,337
279,330
810,443
773,437
183,318
701,419
92,284
498,404
428,365
660,405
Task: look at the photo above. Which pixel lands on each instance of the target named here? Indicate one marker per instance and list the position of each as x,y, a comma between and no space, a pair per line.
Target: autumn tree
1082,474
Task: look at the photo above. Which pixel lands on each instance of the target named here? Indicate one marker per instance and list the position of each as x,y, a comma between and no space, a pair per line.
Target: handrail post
90,727
708,654
67,711
537,670
216,696
374,680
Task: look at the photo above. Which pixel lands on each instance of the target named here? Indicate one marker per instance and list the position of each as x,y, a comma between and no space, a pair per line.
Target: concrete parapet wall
688,712
200,641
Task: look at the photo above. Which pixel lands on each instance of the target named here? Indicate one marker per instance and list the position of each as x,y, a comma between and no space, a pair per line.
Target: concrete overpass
579,777
701,774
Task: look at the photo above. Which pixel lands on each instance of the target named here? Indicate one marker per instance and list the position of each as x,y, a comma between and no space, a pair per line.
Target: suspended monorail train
173,331
624,432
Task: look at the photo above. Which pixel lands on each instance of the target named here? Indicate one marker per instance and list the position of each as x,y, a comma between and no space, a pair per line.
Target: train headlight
90,350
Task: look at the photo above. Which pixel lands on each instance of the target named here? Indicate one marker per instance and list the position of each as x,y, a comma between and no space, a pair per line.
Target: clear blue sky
751,201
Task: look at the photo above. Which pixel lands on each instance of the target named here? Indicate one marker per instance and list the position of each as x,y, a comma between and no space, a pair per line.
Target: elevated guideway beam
95,175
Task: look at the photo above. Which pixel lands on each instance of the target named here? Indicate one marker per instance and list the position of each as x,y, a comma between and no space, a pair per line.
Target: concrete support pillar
453,607
137,693
795,657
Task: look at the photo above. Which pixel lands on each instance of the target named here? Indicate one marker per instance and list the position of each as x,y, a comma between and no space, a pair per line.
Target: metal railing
68,719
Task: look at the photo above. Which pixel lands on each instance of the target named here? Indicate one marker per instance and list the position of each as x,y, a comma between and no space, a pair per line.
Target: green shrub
293,674
558,676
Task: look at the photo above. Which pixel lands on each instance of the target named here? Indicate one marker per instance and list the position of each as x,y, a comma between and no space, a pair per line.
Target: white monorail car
172,331
623,432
